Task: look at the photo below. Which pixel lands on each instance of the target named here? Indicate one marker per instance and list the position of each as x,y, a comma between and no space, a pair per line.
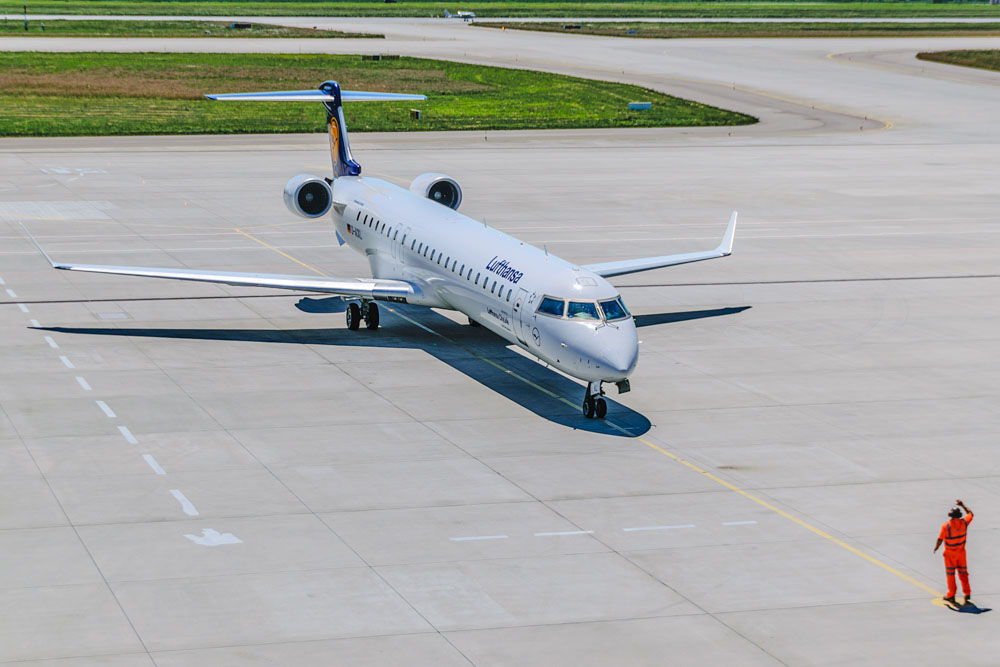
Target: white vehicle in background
465,16
423,252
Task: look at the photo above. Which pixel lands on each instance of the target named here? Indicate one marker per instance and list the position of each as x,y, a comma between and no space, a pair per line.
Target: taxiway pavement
192,474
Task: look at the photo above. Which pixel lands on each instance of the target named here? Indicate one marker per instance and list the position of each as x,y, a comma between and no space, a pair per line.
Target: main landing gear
594,404
366,311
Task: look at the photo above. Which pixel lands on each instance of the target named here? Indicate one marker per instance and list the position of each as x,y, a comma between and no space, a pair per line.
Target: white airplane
423,252
465,16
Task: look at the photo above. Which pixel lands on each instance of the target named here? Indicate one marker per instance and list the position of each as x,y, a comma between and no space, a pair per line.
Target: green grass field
61,28
509,8
978,59
681,30
75,94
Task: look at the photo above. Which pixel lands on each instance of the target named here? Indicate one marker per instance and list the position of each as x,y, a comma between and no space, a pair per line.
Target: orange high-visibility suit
953,533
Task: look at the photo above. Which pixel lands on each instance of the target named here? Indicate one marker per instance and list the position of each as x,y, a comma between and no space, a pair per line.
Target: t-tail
332,97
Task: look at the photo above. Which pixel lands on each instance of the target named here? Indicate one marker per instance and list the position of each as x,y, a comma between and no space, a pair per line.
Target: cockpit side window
550,306
614,310
583,310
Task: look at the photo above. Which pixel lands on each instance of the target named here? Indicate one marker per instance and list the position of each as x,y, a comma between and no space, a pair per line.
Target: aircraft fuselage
498,281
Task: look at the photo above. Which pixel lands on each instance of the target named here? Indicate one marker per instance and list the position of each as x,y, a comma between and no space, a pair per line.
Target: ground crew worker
953,533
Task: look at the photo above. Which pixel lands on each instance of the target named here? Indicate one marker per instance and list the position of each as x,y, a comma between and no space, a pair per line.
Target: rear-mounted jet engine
308,196
438,187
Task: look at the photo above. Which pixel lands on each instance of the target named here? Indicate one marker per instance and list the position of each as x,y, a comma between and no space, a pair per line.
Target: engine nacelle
308,196
438,187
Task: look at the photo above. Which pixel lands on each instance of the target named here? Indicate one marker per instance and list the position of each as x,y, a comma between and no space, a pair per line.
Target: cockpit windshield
614,310
582,310
610,310
550,306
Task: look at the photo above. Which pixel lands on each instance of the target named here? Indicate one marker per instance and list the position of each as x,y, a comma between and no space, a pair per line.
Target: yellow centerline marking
280,252
783,513
715,478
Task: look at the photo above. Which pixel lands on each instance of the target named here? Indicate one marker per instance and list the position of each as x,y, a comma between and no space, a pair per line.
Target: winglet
726,247
40,249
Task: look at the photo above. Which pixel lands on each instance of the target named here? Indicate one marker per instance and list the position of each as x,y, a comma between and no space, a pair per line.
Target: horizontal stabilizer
315,96
724,249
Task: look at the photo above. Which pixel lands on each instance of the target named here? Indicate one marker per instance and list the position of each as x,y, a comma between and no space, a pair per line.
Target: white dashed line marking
24,308
185,503
738,523
158,470
12,294
54,345
632,530
127,434
66,362
83,383
478,537
108,411
35,324
565,532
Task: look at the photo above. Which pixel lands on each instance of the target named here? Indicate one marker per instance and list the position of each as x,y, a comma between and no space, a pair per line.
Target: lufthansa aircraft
423,252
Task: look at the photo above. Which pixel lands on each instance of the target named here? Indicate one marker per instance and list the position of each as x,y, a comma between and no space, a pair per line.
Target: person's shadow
970,608
474,351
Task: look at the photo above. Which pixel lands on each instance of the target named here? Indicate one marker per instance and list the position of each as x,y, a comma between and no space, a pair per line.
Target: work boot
968,600
949,599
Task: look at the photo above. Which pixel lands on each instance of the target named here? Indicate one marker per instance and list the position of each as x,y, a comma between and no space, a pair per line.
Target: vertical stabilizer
344,163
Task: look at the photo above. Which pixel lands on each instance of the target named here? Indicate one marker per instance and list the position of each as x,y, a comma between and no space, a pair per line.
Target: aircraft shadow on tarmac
472,351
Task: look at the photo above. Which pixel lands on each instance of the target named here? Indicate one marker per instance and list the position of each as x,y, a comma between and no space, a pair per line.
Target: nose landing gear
366,310
594,405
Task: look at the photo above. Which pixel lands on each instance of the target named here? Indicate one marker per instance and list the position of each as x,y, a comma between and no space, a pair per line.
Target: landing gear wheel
371,315
601,408
353,316
589,407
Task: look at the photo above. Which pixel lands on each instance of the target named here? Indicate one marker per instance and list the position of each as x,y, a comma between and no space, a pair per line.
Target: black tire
371,317
473,323
353,316
589,407
601,408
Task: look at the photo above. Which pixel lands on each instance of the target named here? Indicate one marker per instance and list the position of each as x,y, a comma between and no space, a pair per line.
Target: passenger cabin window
477,277
550,306
583,310
614,310
359,216
420,248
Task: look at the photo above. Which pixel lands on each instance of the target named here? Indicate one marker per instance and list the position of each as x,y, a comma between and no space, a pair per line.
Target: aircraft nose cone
622,361
621,355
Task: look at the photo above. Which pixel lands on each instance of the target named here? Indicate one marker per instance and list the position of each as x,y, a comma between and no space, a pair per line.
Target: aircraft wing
620,268
360,288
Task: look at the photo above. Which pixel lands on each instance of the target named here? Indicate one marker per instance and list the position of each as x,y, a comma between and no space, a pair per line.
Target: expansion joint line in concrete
715,478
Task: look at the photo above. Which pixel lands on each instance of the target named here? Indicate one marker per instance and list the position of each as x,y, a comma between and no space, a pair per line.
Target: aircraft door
522,294
398,246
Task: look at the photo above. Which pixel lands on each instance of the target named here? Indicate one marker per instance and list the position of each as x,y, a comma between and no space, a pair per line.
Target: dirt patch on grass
193,81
